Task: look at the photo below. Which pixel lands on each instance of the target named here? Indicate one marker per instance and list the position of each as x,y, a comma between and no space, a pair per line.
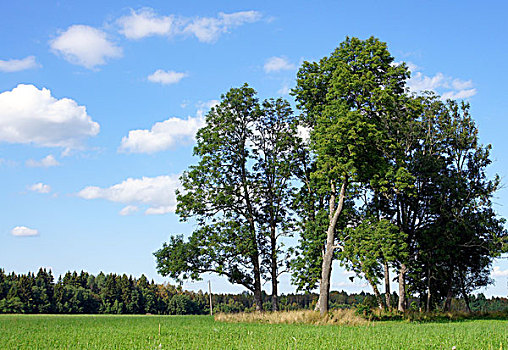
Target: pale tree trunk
429,293
387,287
402,288
275,299
316,308
326,268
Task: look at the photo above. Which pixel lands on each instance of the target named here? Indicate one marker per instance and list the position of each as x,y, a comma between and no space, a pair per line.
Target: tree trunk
402,288
448,302
466,300
273,241
387,287
429,293
258,300
326,268
316,308
376,293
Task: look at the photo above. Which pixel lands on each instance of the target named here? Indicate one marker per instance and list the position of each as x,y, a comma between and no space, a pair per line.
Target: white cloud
304,133
128,210
456,95
45,162
158,193
284,90
276,64
145,23
85,46
40,188
162,135
447,87
30,115
18,65
208,29
166,77
420,82
497,272
166,134
24,231
461,84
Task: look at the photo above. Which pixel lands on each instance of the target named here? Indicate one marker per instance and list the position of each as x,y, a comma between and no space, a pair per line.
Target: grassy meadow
203,332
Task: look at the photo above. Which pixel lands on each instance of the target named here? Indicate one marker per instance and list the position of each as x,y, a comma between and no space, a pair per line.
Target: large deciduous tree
346,100
238,194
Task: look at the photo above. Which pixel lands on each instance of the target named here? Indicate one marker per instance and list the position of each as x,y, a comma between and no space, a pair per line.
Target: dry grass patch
337,317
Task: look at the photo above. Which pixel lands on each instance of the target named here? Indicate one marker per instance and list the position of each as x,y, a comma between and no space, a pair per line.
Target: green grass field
202,332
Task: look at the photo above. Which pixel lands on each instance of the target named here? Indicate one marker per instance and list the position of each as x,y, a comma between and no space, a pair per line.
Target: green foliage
181,304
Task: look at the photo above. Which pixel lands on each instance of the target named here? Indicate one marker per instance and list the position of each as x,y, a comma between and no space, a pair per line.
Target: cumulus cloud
85,46
24,231
45,162
276,64
30,115
40,188
497,272
145,22
166,134
157,193
166,77
162,135
14,65
447,87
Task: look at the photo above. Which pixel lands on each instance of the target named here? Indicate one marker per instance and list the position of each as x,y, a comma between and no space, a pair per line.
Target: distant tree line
84,293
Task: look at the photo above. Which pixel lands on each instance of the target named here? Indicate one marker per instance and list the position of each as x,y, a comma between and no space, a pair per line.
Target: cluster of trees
85,293
367,173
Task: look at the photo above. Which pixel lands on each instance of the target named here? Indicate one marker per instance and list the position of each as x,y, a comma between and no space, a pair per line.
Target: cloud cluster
40,188
158,193
30,115
14,65
166,77
85,46
447,87
24,231
276,64
90,47
145,22
45,162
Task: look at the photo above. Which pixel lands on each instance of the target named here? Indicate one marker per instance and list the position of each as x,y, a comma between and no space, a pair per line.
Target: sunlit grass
202,332
336,317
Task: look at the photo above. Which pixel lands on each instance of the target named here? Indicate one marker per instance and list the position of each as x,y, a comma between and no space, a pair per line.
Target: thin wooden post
210,295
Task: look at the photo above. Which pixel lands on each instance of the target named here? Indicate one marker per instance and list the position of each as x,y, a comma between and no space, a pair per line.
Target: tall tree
237,193
346,99
274,143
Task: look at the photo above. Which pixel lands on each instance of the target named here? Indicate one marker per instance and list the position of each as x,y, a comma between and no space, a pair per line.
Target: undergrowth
337,317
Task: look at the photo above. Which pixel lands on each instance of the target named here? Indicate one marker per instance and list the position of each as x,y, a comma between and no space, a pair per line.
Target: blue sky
99,102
